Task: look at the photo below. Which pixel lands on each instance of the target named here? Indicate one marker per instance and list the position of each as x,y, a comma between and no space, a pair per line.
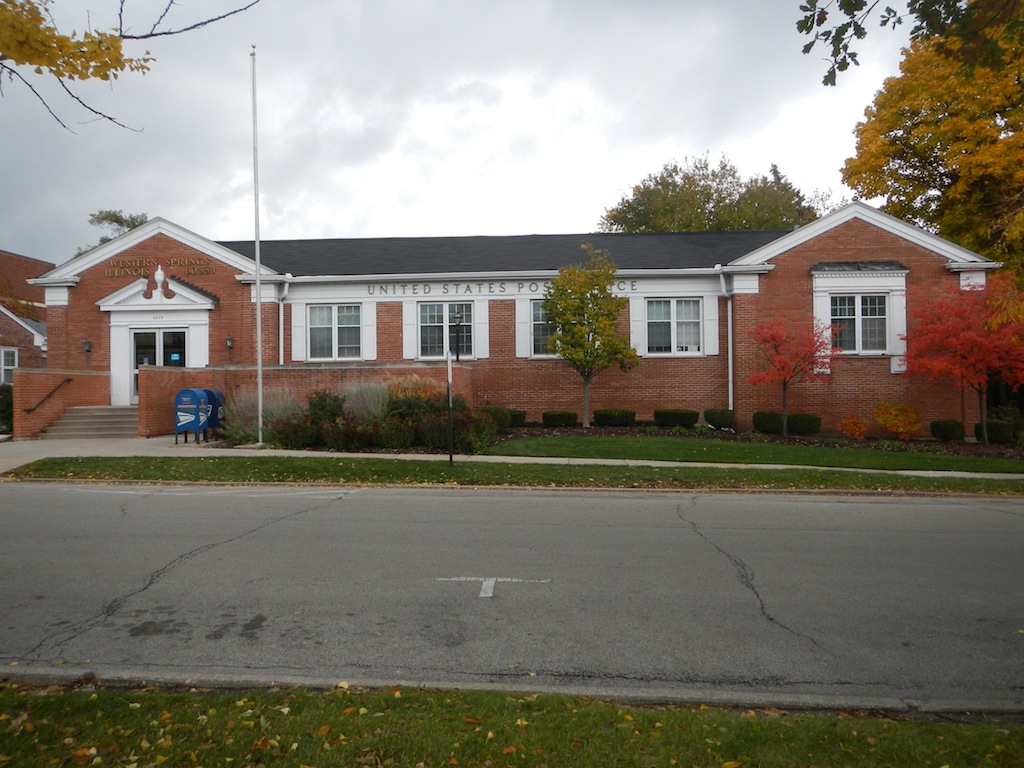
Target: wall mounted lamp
230,342
86,346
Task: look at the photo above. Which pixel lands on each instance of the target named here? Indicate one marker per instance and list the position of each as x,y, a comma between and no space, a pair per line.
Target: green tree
699,197
584,314
32,46
945,149
977,32
116,222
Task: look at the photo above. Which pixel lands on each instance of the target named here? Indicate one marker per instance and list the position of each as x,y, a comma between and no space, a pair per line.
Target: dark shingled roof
521,253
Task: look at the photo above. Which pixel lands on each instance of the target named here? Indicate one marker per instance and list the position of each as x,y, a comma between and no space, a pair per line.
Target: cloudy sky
423,117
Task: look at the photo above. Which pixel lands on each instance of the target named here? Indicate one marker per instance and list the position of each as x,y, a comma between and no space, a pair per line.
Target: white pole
259,286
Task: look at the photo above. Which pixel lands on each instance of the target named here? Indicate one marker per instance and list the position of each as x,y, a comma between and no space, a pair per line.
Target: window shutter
709,308
481,337
638,325
299,320
524,327
410,337
368,342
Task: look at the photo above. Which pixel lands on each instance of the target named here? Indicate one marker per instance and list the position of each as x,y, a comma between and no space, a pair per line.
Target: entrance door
156,347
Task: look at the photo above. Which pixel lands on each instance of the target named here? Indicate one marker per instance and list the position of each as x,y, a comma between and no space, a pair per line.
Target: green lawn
399,728
665,448
337,468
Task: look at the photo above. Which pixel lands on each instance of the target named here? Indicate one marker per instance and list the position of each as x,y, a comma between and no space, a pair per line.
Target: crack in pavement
70,633
745,576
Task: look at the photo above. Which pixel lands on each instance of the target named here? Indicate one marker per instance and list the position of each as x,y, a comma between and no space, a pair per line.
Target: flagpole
259,286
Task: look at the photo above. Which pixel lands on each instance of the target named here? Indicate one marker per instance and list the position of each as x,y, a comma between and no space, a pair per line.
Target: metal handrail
51,394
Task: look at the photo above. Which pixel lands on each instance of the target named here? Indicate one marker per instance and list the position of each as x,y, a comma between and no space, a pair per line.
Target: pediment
168,295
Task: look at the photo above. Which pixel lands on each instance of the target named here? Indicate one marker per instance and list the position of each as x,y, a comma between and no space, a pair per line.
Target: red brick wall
158,386
15,270
14,335
31,388
856,385
232,316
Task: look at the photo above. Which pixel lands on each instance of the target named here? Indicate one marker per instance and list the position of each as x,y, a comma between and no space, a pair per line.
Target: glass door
156,347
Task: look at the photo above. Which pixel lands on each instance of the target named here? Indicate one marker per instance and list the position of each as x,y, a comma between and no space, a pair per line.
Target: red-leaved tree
970,337
793,357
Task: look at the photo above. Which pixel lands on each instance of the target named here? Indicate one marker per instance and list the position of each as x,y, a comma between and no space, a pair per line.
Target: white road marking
487,582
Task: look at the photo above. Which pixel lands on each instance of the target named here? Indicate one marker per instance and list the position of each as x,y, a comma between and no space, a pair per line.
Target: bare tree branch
198,25
13,74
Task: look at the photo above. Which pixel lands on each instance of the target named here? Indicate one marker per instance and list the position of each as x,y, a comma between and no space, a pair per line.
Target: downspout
280,317
729,333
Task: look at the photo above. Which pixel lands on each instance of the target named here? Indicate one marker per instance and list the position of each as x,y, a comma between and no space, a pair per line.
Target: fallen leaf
324,730
509,750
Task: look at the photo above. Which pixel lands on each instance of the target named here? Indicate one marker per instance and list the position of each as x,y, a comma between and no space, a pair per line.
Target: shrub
558,419
432,430
516,419
719,418
947,430
768,422
296,433
475,431
854,427
999,432
803,424
898,419
6,408
400,387
239,425
614,417
324,405
678,417
415,407
366,400
502,416
395,434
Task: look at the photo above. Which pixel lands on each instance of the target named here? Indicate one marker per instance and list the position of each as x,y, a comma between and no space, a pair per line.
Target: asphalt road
750,599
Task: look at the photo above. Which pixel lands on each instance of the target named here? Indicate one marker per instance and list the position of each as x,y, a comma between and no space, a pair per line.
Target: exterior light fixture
230,342
86,346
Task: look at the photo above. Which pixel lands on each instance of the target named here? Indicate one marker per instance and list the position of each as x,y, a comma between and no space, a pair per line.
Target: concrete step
95,422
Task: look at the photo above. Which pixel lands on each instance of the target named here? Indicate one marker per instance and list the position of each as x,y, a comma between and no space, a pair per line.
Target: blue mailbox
214,410
190,413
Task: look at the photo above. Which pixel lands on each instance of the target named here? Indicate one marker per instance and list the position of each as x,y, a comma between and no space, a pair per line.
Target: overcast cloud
424,117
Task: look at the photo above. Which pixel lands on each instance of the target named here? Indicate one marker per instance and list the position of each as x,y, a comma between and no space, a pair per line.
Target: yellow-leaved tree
31,45
945,148
583,313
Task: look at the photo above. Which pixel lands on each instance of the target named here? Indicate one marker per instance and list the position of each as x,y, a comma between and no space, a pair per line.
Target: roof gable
71,269
953,253
133,296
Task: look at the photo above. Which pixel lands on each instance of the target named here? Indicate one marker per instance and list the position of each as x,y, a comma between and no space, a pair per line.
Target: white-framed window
868,302
674,327
335,332
438,320
8,362
862,322
540,328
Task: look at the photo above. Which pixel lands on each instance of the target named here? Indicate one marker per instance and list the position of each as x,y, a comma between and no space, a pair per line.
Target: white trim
132,296
954,253
38,339
130,239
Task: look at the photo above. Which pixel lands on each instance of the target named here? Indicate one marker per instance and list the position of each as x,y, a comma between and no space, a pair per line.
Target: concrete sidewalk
14,453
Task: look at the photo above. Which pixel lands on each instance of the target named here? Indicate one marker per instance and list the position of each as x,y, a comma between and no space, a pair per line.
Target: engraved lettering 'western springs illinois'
183,265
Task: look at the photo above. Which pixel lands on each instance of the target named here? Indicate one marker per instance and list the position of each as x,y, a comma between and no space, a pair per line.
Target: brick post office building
160,308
